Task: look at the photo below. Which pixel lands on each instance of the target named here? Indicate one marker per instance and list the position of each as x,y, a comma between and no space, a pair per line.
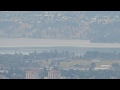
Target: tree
93,65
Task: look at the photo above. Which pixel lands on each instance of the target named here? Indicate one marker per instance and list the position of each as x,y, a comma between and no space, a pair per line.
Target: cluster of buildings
56,74
34,74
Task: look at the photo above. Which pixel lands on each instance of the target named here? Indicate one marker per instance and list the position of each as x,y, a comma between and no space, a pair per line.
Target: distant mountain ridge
96,26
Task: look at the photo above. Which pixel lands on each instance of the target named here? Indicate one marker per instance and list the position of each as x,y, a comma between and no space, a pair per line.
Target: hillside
96,26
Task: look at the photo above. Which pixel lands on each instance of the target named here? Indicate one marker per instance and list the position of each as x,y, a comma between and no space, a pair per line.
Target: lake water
26,45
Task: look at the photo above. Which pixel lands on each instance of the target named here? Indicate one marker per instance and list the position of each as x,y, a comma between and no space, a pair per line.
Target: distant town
60,65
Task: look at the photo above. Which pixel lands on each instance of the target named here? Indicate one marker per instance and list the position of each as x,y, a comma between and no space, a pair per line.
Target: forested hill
96,26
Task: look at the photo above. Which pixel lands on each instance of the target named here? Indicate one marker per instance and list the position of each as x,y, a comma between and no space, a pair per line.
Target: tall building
54,74
32,74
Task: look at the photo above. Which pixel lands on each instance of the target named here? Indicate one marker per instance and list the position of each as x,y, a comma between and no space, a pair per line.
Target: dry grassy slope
95,26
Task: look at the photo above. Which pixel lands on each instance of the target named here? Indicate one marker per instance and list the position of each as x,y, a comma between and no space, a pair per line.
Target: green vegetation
17,64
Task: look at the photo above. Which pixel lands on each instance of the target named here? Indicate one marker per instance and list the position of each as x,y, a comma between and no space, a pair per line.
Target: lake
26,45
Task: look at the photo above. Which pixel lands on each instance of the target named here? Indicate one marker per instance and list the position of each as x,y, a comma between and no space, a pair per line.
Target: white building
103,67
54,74
45,77
32,74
